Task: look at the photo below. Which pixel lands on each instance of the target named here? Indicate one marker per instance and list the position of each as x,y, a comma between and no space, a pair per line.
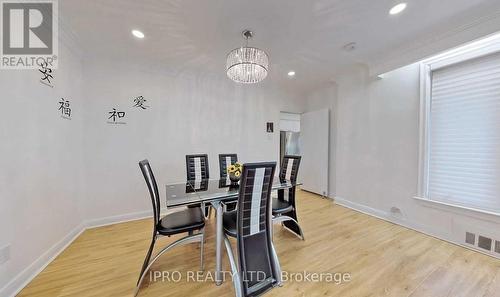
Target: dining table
215,192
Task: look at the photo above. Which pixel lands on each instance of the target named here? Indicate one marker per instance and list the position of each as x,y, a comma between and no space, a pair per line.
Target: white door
314,144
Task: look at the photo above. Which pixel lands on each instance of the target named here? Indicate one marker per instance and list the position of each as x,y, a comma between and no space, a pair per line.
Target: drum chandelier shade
247,64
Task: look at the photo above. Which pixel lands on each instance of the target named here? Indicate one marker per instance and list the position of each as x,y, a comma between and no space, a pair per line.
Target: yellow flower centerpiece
234,172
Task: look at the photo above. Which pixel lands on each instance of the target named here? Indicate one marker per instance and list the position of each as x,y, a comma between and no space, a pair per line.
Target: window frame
473,50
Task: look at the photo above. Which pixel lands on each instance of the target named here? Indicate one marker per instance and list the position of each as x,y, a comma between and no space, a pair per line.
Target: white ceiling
302,35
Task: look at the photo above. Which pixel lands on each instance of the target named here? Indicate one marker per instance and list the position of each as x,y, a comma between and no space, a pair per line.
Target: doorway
289,134
307,135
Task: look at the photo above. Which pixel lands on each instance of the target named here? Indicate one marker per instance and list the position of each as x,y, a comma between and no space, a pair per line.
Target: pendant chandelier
246,64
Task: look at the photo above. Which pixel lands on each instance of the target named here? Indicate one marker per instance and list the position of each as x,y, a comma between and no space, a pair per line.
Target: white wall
377,146
41,158
59,176
188,114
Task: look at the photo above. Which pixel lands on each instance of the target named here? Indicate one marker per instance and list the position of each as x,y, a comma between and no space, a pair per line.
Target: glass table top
208,190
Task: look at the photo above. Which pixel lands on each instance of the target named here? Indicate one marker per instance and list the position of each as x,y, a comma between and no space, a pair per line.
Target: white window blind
464,134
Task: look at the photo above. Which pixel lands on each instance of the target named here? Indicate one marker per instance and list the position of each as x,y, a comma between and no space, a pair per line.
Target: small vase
234,178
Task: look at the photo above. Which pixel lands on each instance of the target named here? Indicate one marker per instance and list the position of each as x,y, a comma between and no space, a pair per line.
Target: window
460,127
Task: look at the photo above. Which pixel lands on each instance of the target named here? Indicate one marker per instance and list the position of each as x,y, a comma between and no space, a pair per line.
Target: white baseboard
29,273
361,208
421,228
94,223
13,287
128,217
312,192
386,216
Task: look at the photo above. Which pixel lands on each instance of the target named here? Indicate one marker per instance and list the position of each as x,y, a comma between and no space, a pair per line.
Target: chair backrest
225,160
289,171
254,221
197,167
153,189
290,167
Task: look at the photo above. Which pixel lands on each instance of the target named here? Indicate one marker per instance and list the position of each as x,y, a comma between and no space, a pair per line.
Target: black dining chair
197,169
257,269
226,160
284,206
186,221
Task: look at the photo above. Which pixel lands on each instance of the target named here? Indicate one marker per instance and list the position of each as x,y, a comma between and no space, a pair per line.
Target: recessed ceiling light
291,73
138,34
398,8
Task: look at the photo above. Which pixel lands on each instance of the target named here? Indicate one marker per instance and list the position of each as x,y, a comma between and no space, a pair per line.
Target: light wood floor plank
383,259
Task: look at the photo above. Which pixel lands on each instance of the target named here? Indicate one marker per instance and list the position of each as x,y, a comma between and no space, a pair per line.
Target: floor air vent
484,243
470,238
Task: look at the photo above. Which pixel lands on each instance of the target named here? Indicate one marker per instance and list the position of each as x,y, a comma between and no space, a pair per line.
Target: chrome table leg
218,242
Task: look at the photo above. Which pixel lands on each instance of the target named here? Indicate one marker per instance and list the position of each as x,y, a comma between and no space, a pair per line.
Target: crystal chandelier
247,64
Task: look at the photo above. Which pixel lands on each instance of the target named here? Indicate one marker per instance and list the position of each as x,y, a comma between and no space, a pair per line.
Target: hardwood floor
382,259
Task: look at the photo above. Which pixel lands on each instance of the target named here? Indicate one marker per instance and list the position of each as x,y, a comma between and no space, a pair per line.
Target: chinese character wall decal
114,115
139,102
65,109
47,76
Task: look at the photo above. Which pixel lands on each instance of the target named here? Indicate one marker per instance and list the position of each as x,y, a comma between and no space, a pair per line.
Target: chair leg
297,230
148,257
293,225
234,268
182,241
202,244
276,265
